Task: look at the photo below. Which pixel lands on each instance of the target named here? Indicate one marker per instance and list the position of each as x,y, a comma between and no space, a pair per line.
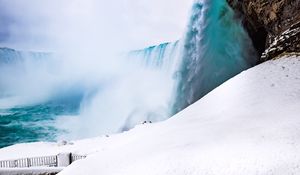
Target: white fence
75,157
46,161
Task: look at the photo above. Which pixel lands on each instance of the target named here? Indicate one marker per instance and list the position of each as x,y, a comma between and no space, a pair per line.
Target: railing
46,161
75,157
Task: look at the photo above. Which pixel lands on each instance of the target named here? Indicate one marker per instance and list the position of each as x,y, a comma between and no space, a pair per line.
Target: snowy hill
248,125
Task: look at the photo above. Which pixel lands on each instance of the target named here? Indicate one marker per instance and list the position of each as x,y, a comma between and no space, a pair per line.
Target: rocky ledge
273,25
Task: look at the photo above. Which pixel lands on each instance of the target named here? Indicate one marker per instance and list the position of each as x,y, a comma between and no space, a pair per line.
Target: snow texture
248,125
30,171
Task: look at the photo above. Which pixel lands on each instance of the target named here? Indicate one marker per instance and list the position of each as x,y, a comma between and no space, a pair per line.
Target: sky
126,24
89,36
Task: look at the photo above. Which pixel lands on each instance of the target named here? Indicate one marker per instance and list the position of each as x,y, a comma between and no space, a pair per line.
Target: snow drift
248,125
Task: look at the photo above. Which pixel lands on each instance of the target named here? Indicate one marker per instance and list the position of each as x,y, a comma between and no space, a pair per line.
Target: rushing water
37,99
28,108
164,56
216,48
31,123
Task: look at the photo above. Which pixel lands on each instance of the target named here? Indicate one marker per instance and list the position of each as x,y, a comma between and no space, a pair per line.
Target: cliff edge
273,25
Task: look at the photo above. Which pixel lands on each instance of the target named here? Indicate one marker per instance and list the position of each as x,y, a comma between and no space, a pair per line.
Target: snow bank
248,125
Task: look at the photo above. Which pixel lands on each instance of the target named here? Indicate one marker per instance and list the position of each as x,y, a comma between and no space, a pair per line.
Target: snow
38,149
31,171
248,125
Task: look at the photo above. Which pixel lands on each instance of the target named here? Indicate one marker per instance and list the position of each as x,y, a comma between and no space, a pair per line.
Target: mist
89,41
50,24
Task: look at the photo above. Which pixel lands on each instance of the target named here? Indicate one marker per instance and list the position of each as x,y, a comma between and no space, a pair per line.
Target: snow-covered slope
248,125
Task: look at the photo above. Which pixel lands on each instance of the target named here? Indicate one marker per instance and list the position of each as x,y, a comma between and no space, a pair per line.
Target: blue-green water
33,123
26,74
215,48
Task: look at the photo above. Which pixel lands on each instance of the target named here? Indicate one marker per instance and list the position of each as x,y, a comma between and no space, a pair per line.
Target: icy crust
248,125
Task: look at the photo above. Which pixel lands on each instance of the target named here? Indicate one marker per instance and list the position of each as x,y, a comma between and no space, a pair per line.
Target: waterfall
216,48
13,67
164,56
161,63
10,56
169,77
30,78
113,93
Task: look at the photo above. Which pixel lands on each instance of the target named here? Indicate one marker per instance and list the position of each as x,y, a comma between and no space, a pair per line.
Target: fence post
28,162
63,159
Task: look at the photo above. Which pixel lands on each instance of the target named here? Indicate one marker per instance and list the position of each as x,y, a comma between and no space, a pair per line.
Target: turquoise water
26,73
162,56
216,48
33,123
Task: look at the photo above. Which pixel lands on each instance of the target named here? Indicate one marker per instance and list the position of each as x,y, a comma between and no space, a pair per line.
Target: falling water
149,84
164,56
216,48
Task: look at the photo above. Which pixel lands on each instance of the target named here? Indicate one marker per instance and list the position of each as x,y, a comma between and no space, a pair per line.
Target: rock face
273,25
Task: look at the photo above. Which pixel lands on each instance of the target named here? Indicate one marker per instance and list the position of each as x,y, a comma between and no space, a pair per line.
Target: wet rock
273,25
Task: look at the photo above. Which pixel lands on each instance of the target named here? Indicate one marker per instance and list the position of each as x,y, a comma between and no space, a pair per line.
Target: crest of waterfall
10,56
16,65
163,57
216,48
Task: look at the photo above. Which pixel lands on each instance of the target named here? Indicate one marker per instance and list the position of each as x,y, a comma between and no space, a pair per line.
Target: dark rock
273,25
